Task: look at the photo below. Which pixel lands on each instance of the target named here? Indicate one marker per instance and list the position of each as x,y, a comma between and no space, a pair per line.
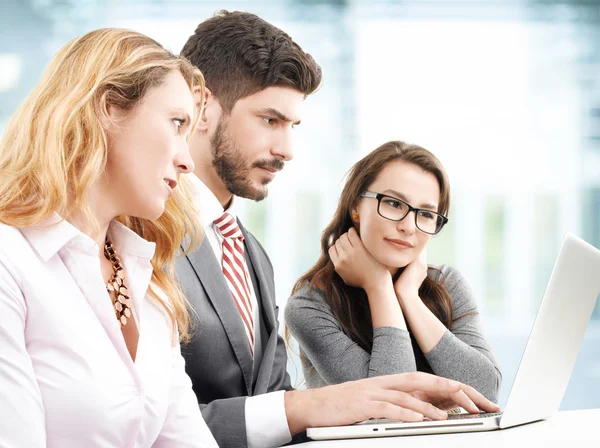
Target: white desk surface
569,429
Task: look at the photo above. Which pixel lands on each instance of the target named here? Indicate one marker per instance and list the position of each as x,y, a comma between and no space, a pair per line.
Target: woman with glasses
371,305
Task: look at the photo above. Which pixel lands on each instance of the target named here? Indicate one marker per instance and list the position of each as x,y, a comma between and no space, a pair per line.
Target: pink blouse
66,377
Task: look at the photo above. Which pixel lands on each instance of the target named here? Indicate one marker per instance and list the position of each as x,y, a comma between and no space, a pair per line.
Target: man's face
250,145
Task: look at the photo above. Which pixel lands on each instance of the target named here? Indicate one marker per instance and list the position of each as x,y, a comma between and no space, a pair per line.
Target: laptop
546,364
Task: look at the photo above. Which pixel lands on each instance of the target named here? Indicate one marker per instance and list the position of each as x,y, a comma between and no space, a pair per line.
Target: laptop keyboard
377,421
481,415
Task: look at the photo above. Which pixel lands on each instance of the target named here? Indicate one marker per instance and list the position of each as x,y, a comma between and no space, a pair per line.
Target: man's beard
233,167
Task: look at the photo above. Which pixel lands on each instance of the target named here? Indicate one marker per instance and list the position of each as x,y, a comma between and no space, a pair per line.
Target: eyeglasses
396,209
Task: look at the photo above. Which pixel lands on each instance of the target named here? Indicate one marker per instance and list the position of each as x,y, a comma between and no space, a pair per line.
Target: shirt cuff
266,422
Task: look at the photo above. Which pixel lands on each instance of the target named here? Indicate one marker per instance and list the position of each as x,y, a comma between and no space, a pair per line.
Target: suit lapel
209,273
265,301
255,255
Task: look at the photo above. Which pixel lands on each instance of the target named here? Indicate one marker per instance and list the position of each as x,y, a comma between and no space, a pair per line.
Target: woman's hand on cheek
354,264
408,284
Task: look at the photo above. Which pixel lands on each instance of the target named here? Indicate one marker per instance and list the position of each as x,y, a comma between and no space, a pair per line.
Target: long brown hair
349,304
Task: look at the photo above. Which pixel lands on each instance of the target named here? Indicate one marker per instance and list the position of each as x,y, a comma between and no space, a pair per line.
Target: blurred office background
505,92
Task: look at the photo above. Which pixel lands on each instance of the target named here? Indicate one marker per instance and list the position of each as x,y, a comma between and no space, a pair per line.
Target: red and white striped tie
235,271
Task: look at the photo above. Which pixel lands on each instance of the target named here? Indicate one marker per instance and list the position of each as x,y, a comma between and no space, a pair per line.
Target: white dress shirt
66,376
266,421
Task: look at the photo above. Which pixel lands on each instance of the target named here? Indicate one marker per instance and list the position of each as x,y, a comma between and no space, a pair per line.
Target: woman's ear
354,216
109,117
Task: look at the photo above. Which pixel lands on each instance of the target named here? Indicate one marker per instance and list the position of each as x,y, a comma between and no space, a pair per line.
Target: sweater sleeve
463,354
334,355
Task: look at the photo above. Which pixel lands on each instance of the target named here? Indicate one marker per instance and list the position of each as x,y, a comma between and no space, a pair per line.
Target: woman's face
397,243
148,149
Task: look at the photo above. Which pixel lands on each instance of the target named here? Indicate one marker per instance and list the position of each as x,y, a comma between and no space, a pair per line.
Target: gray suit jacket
218,358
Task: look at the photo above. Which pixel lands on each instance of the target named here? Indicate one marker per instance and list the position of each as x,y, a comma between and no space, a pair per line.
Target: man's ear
208,103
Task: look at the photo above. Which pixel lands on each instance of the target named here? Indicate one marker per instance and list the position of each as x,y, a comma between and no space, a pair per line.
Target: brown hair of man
240,54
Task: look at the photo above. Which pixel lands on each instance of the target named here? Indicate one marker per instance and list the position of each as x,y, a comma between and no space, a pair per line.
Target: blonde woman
92,209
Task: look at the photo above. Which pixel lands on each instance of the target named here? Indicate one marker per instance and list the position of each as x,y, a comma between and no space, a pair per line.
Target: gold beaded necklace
116,285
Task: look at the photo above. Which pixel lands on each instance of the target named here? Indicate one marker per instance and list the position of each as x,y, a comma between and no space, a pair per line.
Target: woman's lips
400,244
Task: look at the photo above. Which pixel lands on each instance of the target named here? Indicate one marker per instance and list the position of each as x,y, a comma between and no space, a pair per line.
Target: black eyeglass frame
380,196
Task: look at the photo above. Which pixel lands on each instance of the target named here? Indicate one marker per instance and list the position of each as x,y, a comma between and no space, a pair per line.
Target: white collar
50,236
207,203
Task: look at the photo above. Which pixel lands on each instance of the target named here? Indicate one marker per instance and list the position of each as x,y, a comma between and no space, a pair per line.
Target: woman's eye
427,215
394,204
270,121
178,123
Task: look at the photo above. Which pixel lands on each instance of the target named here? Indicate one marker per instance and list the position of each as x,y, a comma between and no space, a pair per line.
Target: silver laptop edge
557,334
546,363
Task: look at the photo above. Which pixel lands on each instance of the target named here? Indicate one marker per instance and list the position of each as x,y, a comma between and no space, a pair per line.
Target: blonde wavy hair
54,147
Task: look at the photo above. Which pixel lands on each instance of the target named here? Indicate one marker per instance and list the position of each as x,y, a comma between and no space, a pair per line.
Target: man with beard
257,79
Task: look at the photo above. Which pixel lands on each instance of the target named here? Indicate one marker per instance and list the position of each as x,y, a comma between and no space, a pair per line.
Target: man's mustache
276,164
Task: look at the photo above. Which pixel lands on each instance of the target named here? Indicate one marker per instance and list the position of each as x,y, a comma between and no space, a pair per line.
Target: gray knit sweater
329,356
